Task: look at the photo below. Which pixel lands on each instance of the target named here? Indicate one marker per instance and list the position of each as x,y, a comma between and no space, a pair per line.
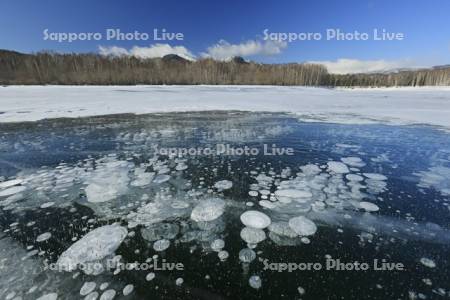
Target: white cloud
225,51
349,66
156,50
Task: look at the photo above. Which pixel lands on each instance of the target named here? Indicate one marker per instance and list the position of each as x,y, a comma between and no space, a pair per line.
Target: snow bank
427,105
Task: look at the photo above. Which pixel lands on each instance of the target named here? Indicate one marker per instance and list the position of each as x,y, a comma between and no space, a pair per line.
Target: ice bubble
428,262
92,296
143,179
223,185
310,169
179,281
255,219
104,285
47,204
354,177
217,245
128,289
305,240
247,255
283,229
12,190
107,182
161,178
253,193
353,161
375,176
255,282
253,235
181,167
150,276
51,296
87,288
161,245
223,254
369,206
94,246
160,231
178,204
293,193
208,210
43,237
303,226
108,295
267,204
10,183
337,167
301,290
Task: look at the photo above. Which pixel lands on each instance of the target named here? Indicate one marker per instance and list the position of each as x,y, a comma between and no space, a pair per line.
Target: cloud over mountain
153,51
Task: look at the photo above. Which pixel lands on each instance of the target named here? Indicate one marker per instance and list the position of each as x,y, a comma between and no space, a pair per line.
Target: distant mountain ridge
95,69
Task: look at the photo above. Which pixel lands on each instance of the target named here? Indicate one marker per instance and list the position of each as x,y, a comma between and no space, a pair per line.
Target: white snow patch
425,105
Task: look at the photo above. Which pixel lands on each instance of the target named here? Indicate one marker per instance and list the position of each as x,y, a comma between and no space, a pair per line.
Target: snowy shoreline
392,105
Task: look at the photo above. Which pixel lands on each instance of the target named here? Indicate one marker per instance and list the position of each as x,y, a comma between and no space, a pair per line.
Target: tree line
94,69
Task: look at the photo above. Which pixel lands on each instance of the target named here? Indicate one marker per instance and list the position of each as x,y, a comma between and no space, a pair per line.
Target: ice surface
427,105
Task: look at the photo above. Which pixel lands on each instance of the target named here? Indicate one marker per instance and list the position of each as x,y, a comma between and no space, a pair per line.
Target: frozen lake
86,197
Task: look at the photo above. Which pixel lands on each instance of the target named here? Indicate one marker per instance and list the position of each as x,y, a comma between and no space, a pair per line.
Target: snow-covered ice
425,105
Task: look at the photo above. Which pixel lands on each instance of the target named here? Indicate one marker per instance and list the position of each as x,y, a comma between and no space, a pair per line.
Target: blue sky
205,23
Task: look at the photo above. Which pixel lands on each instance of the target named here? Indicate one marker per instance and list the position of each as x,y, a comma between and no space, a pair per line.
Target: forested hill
94,69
